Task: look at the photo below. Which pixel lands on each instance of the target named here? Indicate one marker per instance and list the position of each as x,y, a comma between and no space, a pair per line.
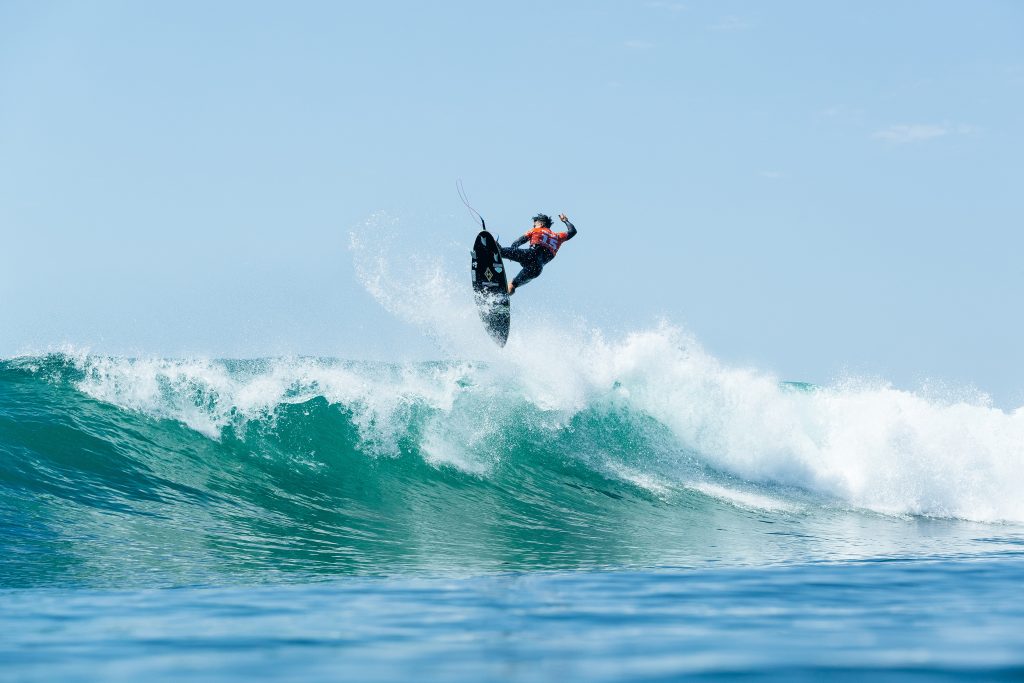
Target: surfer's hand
565,219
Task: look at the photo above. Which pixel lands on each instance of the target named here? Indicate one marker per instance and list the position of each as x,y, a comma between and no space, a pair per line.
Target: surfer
544,245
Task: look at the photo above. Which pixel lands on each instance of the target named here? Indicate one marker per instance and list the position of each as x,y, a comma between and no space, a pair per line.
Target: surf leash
465,200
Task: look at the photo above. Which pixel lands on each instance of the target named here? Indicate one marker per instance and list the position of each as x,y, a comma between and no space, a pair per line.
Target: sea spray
863,444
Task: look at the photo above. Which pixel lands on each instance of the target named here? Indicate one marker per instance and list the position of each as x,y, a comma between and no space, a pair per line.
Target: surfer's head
543,219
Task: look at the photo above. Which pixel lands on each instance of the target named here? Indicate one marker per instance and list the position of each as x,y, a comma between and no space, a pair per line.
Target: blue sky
809,188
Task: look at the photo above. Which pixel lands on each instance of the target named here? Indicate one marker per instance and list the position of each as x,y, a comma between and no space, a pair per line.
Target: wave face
645,451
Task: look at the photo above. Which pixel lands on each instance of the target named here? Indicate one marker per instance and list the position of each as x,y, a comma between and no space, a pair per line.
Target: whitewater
633,508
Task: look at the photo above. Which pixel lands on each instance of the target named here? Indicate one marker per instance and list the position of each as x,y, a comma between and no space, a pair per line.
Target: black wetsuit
533,258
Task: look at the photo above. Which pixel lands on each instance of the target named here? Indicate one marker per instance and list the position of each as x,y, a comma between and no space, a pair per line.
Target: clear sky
810,188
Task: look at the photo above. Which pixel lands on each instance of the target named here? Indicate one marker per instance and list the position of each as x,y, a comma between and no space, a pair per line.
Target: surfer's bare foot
511,289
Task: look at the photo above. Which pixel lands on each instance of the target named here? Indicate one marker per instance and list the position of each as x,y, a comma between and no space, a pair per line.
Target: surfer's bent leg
531,269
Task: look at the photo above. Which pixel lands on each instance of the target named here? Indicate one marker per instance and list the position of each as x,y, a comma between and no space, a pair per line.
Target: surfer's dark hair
543,218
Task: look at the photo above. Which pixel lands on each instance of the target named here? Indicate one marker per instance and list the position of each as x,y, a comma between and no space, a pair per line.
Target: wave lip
684,417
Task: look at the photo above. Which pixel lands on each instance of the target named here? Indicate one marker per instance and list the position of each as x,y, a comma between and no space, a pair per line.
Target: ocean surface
636,511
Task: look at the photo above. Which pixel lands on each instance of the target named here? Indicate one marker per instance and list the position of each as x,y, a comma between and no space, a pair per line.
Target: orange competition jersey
546,238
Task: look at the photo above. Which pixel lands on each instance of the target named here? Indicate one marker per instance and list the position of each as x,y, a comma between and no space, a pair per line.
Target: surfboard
490,287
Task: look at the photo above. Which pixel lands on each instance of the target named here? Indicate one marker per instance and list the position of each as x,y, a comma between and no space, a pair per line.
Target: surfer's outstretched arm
572,228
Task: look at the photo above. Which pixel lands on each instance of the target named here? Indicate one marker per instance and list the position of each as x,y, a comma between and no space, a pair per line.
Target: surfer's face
538,224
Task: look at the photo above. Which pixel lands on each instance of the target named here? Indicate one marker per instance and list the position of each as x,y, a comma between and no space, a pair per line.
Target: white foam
872,446
191,391
207,396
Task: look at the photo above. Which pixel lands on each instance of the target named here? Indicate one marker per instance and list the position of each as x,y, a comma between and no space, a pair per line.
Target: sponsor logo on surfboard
488,274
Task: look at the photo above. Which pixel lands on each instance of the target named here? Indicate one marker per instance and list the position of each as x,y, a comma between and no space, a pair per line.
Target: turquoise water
640,513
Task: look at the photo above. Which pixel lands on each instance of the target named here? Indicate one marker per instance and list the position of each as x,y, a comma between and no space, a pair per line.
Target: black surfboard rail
490,287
